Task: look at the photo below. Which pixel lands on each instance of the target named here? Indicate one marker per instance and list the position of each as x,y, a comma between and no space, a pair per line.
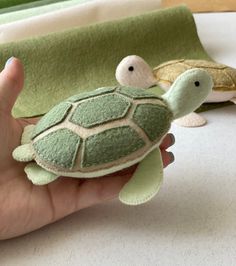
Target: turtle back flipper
191,120
145,182
38,176
27,133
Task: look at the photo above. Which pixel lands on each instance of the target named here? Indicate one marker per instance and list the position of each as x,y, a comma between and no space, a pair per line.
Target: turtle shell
224,77
103,130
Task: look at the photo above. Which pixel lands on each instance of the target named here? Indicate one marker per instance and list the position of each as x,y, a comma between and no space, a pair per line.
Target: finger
11,83
97,190
167,157
28,121
168,141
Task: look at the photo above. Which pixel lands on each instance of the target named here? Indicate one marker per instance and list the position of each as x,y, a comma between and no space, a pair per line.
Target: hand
25,207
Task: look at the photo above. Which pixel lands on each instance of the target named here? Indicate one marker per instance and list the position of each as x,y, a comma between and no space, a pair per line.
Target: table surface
193,219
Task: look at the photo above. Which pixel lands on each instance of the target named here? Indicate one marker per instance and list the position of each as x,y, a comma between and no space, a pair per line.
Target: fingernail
172,138
9,61
172,157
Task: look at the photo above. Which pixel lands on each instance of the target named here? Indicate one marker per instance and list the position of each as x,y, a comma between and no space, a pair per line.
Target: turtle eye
197,83
131,68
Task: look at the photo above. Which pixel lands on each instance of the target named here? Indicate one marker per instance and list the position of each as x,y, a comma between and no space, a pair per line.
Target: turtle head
188,91
133,71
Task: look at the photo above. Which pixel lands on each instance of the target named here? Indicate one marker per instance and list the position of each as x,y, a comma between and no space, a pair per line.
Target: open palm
25,207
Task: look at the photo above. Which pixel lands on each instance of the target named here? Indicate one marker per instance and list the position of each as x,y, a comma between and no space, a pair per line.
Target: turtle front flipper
191,120
27,133
145,182
38,175
23,153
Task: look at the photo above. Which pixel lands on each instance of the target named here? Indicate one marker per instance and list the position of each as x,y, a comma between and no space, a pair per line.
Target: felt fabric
188,91
81,15
86,95
111,125
38,175
23,153
153,119
27,134
71,150
56,115
63,64
8,3
46,7
101,122
164,75
134,71
220,96
111,145
100,110
145,182
224,77
27,6
58,148
191,120
136,93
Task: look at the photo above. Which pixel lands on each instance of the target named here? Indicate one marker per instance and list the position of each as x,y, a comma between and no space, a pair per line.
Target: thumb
11,83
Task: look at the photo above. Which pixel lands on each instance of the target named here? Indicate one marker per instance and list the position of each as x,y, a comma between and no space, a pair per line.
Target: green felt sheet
9,3
81,59
35,9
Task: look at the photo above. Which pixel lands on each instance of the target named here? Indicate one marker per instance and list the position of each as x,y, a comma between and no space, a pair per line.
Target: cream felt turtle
111,128
134,71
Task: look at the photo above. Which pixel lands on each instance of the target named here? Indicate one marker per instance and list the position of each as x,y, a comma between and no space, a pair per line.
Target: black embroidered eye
131,68
197,83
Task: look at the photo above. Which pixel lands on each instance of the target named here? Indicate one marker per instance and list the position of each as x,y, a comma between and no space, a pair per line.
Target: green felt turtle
111,128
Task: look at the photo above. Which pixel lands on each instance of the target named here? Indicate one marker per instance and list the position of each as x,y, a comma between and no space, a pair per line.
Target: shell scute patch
58,148
100,110
55,116
153,119
111,145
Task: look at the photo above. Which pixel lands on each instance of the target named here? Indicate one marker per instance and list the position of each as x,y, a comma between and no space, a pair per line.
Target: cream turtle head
135,72
106,130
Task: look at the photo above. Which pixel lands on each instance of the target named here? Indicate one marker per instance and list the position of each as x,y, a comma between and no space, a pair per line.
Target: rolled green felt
81,59
9,3
35,9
